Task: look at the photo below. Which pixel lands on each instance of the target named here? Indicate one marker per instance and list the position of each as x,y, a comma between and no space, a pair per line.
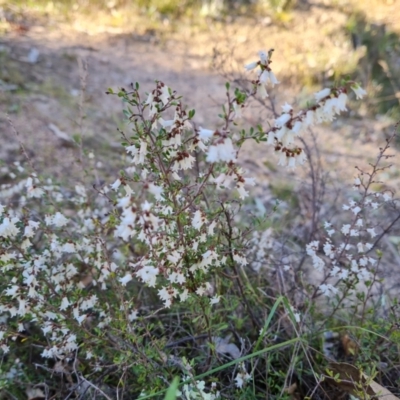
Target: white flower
8,227
32,189
310,117
282,120
68,248
250,181
372,232
88,303
198,220
341,102
80,318
164,94
301,158
166,295
328,249
23,307
165,123
222,151
184,295
312,247
116,184
263,56
345,229
64,304
262,91
5,348
125,279
282,159
239,380
242,377
251,66
59,220
131,149
243,193
387,196
146,206
328,289
318,263
148,274
156,191
12,291
205,134
30,229
211,228
273,79
201,290
142,153
322,93
35,192
133,315
150,99
359,91
185,161
329,108
237,108
327,225
215,299
239,258
297,127
286,108
356,210
344,274
264,76
297,317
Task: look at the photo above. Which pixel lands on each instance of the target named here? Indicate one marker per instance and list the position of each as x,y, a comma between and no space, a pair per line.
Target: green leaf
191,113
227,85
172,390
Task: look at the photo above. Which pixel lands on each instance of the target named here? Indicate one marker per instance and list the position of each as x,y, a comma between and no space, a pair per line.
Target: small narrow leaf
172,390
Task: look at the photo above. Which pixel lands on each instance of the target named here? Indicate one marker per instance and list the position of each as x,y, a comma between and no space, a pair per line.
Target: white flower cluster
349,260
197,391
288,126
265,75
242,377
164,224
26,291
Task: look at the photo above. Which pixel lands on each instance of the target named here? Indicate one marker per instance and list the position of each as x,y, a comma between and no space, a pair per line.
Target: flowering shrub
97,286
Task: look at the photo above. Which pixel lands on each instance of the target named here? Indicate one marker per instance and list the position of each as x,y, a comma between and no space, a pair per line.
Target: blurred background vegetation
366,32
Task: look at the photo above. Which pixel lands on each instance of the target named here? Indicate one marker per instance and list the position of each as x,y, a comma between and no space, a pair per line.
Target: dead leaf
352,380
291,389
222,346
293,392
350,347
35,394
61,135
381,392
